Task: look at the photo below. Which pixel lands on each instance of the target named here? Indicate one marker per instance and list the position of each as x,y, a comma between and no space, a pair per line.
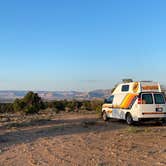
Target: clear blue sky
81,44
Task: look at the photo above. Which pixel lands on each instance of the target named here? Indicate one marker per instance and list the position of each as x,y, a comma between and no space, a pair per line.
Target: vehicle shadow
28,132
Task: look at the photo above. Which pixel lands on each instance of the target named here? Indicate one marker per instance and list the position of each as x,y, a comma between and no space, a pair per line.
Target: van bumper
152,119
148,116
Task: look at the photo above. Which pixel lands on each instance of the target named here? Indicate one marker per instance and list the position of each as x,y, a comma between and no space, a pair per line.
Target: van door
147,104
160,102
152,103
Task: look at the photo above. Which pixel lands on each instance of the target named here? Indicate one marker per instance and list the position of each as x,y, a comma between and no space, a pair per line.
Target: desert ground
83,139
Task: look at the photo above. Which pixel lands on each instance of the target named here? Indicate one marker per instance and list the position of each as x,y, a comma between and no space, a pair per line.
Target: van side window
125,88
147,99
110,99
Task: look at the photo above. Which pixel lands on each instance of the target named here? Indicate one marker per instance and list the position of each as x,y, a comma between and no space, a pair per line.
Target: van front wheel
104,116
129,119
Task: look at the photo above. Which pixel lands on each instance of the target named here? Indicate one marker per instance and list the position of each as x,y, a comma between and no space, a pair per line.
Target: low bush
30,104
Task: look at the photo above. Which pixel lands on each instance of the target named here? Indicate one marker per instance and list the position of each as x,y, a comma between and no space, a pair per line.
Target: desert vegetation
32,103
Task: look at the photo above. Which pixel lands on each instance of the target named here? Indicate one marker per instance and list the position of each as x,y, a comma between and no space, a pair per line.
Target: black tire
161,122
104,116
129,119
164,121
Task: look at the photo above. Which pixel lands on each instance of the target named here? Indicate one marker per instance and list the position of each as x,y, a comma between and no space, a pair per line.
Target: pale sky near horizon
81,44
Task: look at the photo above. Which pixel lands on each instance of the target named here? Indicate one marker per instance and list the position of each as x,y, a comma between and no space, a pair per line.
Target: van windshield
159,99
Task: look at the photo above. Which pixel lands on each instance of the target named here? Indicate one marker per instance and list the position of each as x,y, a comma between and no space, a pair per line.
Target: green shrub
30,104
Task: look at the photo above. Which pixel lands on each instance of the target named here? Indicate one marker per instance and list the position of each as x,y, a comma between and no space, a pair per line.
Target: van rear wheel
129,119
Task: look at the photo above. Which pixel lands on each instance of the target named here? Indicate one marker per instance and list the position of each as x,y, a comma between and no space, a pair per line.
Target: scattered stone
134,146
159,163
163,151
5,119
152,151
2,140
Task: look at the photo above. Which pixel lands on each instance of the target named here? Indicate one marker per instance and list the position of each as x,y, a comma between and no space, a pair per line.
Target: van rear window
147,99
159,99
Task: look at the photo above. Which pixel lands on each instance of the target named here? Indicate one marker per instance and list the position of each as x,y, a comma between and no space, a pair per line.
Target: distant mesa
10,96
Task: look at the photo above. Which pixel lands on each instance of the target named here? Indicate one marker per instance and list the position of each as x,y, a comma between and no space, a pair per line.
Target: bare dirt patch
79,139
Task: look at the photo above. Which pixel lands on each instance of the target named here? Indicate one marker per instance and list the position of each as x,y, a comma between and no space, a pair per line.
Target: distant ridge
10,96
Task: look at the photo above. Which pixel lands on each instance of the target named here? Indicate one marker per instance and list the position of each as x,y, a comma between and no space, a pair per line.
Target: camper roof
137,87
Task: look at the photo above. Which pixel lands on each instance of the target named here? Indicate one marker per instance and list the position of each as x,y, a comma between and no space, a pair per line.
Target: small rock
112,153
163,151
159,163
152,151
119,160
5,120
2,140
133,146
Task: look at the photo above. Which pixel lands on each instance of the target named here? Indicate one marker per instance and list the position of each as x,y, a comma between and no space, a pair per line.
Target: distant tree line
74,105
32,103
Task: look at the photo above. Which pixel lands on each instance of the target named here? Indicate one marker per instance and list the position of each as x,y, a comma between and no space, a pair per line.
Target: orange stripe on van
127,100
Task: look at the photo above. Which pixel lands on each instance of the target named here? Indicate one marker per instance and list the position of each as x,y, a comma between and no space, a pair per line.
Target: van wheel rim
129,119
104,116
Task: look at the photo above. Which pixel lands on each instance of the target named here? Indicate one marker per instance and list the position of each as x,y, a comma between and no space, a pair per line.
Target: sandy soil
80,139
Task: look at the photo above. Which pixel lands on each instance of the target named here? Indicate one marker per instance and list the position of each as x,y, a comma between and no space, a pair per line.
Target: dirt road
83,140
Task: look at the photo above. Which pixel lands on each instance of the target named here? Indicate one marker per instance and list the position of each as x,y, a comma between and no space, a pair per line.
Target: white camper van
135,101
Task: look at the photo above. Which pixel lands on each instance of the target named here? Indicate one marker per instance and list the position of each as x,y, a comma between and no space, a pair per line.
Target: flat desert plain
83,139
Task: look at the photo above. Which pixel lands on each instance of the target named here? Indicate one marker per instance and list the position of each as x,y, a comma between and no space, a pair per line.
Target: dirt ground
80,139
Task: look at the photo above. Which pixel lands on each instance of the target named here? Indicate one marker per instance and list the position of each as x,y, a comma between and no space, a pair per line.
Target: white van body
135,101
